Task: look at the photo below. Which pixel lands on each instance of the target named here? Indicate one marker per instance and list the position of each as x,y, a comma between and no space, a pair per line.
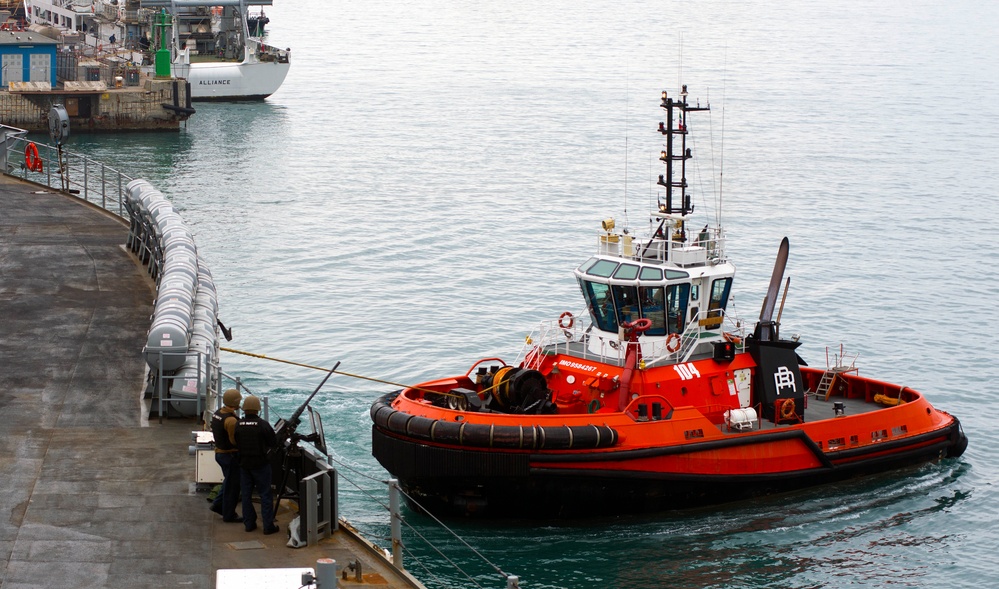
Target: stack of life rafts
182,346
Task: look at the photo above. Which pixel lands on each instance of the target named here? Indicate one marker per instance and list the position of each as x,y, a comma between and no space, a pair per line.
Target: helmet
251,404
231,398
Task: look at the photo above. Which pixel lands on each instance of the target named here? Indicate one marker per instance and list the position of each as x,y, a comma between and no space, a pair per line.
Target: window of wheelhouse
626,303
677,296
601,304
719,299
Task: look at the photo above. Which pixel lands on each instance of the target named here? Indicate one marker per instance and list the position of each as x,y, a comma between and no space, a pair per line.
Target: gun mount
289,462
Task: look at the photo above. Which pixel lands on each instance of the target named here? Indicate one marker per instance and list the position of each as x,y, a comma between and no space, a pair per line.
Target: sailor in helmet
227,456
254,437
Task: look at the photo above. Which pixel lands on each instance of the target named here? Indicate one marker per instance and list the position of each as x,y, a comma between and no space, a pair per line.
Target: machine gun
289,460
287,430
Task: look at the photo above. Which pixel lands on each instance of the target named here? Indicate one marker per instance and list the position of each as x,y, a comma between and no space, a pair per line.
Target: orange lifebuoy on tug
788,409
31,159
566,324
673,342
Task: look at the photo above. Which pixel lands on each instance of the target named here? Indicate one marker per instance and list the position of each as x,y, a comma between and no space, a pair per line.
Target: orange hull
669,448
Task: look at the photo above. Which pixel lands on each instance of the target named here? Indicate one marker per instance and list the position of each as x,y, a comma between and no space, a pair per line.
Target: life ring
566,324
673,342
787,409
731,337
31,159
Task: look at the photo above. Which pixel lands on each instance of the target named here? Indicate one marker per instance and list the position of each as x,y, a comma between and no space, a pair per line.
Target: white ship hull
233,81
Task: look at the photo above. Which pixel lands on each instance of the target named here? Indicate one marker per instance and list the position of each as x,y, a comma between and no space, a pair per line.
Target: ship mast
682,204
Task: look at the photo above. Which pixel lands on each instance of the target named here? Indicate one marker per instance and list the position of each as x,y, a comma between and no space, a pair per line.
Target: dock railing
362,482
89,179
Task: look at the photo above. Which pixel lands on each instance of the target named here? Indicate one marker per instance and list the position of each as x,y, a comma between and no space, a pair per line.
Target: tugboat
654,398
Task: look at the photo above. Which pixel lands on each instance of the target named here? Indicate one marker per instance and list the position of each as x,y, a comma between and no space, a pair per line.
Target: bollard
326,573
512,582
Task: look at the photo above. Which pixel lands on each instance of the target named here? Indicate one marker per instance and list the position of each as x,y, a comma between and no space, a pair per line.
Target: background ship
211,43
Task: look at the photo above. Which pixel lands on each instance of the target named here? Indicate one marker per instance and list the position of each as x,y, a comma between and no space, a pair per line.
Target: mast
670,157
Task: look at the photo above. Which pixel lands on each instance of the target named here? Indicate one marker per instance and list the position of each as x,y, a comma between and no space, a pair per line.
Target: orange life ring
566,324
31,159
787,409
673,342
731,337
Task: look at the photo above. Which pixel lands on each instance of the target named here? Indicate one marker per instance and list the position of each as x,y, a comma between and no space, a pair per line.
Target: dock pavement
92,493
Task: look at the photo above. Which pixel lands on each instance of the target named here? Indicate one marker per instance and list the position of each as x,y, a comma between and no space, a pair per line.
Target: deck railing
553,336
76,174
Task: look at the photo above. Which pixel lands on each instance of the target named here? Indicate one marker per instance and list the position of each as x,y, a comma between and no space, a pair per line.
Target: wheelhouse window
654,308
626,303
676,307
601,304
602,268
718,302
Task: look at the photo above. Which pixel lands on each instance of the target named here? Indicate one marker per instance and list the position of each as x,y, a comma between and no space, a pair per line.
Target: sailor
224,429
254,437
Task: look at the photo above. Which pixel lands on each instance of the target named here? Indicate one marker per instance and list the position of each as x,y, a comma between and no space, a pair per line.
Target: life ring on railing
31,159
731,337
566,324
673,342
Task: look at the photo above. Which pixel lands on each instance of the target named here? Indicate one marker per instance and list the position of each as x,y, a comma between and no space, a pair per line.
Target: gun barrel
293,420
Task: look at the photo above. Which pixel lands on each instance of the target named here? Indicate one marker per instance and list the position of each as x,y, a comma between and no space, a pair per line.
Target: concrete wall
125,109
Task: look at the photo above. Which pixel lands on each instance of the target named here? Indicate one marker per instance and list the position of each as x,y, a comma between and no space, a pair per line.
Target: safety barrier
76,174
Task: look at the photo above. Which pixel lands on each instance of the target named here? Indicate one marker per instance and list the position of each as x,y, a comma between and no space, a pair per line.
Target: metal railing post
396,522
104,188
86,179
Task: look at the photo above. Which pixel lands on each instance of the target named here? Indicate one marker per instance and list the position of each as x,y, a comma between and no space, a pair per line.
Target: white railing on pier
77,174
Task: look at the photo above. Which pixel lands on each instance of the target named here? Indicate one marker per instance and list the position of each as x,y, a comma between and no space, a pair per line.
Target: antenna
627,120
721,163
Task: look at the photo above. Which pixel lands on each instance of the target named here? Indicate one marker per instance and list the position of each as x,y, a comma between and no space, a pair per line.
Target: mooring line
341,372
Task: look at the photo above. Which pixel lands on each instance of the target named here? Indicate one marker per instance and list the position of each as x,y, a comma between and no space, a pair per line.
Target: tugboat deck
818,409
97,496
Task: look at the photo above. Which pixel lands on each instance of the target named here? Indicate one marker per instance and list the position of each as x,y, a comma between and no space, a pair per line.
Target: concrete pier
93,495
155,105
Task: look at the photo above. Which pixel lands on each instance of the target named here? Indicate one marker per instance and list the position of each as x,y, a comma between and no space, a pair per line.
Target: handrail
549,336
77,174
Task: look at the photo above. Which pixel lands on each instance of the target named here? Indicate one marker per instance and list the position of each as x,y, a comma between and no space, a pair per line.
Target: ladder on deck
825,387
